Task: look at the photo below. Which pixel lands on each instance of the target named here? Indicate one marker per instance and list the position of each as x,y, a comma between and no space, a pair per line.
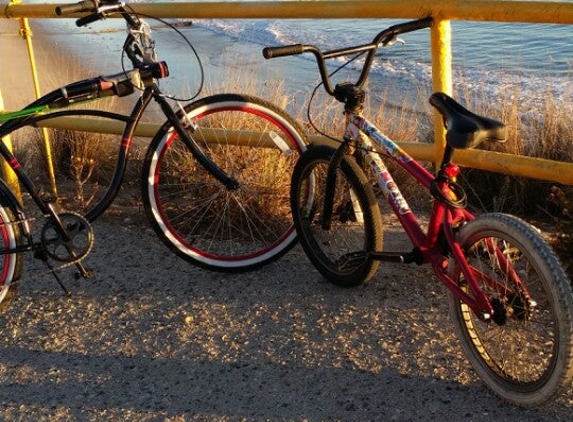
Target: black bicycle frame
131,120
131,123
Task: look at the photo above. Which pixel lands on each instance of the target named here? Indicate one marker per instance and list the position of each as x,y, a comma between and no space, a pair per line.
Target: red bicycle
510,299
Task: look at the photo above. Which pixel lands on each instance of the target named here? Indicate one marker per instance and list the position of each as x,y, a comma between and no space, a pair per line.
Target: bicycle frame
427,245
523,348
140,49
42,200
89,90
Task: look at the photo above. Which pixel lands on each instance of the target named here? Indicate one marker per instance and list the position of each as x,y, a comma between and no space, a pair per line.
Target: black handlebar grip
413,25
287,50
82,6
89,19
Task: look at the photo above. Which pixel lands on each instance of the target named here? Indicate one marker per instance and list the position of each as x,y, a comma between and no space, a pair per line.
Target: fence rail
443,11
472,10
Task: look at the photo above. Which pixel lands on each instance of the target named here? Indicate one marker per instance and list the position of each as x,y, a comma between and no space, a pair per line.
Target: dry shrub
547,134
88,161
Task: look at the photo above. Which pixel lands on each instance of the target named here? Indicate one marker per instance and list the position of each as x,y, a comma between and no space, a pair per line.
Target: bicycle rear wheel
200,219
356,224
10,263
525,355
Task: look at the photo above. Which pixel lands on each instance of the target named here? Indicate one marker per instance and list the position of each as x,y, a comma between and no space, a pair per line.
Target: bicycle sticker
386,183
372,132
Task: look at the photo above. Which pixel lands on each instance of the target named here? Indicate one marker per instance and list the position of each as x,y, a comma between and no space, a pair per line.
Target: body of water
492,59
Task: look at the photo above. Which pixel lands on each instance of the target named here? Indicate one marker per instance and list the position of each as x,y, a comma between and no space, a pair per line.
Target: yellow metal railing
443,11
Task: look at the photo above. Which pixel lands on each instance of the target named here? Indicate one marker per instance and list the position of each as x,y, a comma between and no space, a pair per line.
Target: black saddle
464,128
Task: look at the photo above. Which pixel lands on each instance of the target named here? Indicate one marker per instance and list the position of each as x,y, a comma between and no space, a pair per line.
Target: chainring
80,243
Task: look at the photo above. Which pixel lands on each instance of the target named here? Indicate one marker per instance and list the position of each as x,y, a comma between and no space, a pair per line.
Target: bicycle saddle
464,128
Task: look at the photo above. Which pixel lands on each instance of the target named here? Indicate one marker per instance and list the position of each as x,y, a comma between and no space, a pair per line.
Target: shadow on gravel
94,385
151,338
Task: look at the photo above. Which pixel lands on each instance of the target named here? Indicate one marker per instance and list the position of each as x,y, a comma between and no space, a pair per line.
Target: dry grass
545,134
545,131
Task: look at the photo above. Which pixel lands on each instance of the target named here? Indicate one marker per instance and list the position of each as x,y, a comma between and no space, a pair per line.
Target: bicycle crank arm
83,271
354,259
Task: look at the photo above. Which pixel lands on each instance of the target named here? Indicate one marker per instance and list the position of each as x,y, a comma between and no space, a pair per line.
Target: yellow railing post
441,41
7,173
26,33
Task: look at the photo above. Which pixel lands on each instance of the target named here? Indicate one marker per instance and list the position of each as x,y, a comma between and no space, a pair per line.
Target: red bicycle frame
443,220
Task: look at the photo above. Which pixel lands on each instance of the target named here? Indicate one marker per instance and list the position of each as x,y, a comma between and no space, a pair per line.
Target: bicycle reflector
156,70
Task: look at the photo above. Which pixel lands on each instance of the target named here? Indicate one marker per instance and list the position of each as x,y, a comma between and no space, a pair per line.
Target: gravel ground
152,338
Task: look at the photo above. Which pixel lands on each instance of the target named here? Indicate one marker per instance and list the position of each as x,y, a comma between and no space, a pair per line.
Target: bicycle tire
10,264
356,220
200,219
525,355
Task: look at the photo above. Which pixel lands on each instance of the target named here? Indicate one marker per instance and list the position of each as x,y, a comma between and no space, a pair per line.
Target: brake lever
393,41
143,40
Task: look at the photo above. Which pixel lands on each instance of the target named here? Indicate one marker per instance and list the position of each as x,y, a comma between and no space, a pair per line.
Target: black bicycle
215,179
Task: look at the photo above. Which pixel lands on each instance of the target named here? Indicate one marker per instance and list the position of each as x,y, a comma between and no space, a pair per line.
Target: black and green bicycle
215,180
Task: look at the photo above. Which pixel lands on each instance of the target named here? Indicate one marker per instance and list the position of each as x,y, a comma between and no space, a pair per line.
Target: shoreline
229,65
61,58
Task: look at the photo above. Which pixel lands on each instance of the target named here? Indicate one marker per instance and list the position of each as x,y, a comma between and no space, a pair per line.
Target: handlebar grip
287,50
416,25
411,26
89,19
82,6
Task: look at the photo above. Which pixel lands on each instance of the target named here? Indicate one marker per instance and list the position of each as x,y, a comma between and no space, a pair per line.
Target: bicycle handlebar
286,50
383,38
99,9
82,6
86,20
139,45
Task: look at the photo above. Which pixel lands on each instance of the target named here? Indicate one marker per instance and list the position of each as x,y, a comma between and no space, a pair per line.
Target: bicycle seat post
446,159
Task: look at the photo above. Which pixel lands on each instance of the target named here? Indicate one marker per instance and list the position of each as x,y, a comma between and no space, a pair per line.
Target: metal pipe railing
473,10
443,11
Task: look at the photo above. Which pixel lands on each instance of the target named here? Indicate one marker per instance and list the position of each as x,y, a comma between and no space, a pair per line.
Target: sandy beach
152,338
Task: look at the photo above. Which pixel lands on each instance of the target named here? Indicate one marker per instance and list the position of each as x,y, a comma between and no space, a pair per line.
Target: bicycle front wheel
525,355
340,253
197,217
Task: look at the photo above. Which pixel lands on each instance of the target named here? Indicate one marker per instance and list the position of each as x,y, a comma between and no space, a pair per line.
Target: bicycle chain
29,237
